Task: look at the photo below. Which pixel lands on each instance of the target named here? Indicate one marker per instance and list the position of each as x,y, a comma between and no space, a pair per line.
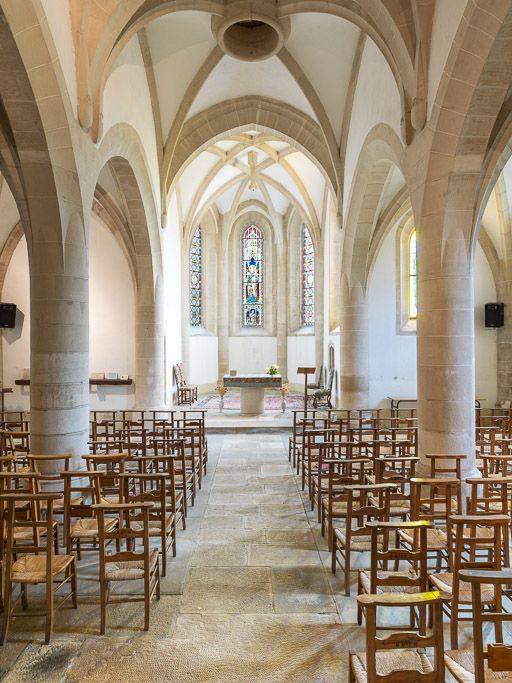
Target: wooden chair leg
163,543
73,584
50,606
347,571
147,599
454,626
103,610
6,614
333,552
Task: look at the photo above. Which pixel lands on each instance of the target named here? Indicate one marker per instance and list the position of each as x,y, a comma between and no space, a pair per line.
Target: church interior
255,341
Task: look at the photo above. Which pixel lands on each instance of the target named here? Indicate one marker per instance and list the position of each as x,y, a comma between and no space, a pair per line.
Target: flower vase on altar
222,390
284,391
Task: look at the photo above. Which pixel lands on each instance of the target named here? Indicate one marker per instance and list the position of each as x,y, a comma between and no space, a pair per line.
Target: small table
252,390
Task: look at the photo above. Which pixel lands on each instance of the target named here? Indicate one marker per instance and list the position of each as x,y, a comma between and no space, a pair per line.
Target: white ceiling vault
311,75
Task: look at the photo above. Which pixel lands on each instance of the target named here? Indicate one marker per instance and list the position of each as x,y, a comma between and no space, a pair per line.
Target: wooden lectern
306,372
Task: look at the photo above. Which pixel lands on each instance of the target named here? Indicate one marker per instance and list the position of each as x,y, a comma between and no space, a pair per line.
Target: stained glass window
195,268
252,277
308,278
413,276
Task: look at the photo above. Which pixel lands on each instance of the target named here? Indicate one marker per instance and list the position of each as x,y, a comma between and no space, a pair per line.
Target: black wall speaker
494,315
8,315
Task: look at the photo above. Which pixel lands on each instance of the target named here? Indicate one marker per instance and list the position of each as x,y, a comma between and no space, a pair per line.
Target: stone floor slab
225,590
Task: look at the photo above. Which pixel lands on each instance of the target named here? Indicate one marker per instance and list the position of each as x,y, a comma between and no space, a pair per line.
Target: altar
252,390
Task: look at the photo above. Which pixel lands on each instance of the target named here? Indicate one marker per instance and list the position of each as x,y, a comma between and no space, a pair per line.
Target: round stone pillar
149,340
446,350
354,361
59,343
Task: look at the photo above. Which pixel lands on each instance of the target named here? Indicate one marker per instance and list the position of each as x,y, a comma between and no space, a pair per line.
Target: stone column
354,360
223,289
281,271
59,342
504,294
149,338
319,307
446,349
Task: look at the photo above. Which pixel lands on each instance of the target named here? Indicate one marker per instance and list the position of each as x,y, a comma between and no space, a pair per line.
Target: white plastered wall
111,328
393,356
127,100
370,108
112,317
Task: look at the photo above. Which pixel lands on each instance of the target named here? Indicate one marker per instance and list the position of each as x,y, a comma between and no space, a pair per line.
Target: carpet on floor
232,401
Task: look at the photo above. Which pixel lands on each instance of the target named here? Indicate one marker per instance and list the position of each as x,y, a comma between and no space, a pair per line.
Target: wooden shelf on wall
92,382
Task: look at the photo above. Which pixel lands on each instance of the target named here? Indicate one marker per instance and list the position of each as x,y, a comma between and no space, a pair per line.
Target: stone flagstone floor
250,597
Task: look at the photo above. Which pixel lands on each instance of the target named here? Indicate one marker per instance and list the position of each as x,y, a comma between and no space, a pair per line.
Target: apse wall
393,355
112,321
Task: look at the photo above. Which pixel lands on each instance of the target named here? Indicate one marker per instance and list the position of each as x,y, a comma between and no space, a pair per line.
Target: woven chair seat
485,533
339,508
357,543
365,576
32,568
58,504
439,508
460,664
129,570
436,538
396,507
155,526
23,533
443,582
112,499
390,662
496,507
88,527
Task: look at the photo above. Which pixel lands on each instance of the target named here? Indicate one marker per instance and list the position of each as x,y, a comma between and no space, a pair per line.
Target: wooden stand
306,372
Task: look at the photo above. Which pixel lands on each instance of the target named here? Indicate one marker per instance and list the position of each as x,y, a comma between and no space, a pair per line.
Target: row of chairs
121,501
423,536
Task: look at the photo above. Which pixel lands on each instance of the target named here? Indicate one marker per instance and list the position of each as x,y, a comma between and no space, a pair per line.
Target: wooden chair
452,467
151,487
48,467
456,595
33,561
319,379
333,505
435,500
187,393
82,490
322,397
400,656
479,665
129,564
109,466
395,470
355,535
379,578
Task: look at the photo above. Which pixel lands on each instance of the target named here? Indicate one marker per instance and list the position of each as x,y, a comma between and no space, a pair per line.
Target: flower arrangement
272,370
221,390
